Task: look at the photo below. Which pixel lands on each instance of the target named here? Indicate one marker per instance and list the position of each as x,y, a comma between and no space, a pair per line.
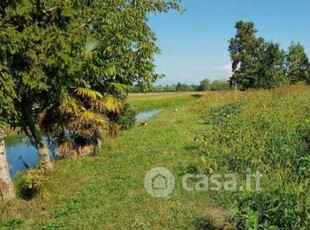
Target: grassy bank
107,191
269,132
261,130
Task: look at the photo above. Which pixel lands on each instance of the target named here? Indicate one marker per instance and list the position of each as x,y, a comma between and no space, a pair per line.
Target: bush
280,208
126,119
30,183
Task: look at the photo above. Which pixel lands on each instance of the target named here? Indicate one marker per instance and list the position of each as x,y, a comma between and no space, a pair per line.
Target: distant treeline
256,63
205,85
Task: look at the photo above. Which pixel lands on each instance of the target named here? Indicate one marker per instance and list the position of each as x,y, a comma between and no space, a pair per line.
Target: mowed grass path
107,191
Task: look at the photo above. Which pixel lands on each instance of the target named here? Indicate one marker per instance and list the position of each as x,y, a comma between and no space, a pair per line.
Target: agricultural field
217,132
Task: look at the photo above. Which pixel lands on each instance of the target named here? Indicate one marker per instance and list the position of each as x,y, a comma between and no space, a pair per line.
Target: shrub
30,183
126,119
280,208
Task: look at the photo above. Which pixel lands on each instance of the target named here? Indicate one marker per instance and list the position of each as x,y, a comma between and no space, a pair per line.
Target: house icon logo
159,182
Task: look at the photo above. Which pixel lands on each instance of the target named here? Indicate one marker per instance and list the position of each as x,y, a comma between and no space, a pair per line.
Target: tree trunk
7,192
45,159
32,132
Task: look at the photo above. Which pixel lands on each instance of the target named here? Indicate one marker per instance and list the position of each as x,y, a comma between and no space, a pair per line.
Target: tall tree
205,85
270,67
297,63
7,96
70,61
244,49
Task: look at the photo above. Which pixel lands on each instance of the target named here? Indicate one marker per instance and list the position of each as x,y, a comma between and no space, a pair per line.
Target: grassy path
107,191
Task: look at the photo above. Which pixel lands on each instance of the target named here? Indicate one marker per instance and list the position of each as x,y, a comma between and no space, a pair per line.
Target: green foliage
159,89
205,85
219,85
12,224
183,87
243,49
280,116
281,207
260,64
67,64
30,183
126,119
219,115
297,63
110,183
264,134
51,226
270,71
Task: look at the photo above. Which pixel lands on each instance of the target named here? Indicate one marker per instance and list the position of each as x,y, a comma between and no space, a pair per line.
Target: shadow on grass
196,96
206,223
191,148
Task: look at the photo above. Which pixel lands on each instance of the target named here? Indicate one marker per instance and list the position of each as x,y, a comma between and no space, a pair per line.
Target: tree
7,94
297,63
219,85
170,88
244,49
178,87
270,69
205,85
195,87
6,186
183,87
66,65
69,62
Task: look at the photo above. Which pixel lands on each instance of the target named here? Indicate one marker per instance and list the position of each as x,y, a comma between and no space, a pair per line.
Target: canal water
22,156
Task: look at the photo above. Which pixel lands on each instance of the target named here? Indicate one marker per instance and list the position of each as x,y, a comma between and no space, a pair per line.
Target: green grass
107,191
145,102
262,130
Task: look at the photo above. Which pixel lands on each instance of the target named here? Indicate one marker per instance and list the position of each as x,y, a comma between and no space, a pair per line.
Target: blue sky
194,45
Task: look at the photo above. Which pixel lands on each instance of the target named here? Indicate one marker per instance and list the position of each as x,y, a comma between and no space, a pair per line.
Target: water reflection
22,156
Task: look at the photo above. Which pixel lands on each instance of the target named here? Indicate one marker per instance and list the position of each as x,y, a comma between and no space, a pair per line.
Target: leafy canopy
68,63
297,63
260,64
244,49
